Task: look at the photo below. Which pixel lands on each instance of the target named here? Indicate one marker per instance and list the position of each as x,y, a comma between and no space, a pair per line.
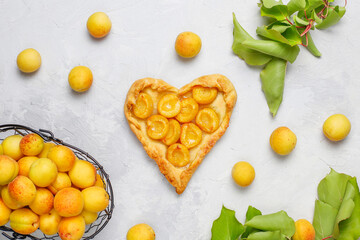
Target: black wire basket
103,217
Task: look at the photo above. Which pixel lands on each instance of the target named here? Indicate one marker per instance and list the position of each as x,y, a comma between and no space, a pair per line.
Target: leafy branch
291,25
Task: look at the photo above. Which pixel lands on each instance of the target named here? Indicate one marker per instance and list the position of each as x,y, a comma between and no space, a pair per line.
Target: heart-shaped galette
178,127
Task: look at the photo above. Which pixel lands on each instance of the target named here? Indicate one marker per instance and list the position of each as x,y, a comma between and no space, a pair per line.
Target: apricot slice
169,105
178,155
204,95
207,120
190,135
157,127
173,134
189,109
144,106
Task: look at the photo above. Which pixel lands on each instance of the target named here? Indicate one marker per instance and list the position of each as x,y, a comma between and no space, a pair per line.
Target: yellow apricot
9,169
69,202
63,157
24,221
4,213
11,147
189,109
72,228
140,232
144,106
89,217
80,78
31,144
8,200
204,95
173,134
207,120
304,230
22,190
337,127
99,181
96,199
29,60
169,105
187,44
49,223
62,181
43,172
191,135
178,155
243,173
157,126
283,140
98,25
43,202
83,174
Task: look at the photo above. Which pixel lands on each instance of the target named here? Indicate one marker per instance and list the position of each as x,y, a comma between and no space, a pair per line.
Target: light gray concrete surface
141,44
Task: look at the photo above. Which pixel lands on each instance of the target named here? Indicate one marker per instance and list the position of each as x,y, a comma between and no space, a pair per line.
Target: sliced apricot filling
204,95
144,106
178,155
157,126
173,134
169,105
190,135
207,120
189,109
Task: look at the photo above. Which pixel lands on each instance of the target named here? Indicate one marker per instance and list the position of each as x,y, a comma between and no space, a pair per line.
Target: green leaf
332,18
250,56
293,36
337,203
272,34
226,227
267,236
251,212
274,9
296,5
332,188
317,19
311,46
279,221
279,26
324,218
272,48
350,228
300,22
273,80
312,4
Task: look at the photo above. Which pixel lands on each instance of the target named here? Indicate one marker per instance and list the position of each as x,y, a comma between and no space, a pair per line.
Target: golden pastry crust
179,177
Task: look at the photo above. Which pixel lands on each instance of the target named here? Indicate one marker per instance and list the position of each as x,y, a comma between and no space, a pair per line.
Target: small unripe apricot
99,25
243,173
80,78
283,140
336,127
29,60
187,44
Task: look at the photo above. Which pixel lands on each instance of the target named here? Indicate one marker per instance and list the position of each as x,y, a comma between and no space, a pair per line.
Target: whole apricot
4,213
96,199
29,60
337,127
11,147
49,223
31,144
24,221
83,174
98,25
283,140
243,173
62,181
140,231
43,202
25,164
63,157
43,172
72,228
22,190
187,44
80,79
69,202
9,169
304,230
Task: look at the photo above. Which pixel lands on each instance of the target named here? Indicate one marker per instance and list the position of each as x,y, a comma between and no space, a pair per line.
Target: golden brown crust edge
216,80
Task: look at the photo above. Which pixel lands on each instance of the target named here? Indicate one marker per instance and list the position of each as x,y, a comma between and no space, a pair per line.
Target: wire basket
103,217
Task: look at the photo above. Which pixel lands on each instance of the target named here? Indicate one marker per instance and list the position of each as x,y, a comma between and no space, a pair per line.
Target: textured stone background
141,44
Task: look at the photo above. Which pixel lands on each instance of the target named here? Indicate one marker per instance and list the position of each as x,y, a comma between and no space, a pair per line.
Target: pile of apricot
46,186
179,121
